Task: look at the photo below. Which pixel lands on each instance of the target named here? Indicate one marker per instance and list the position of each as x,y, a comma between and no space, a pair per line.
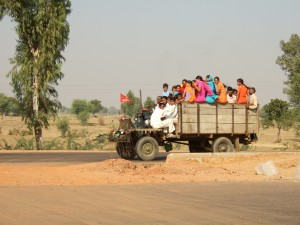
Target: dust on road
112,171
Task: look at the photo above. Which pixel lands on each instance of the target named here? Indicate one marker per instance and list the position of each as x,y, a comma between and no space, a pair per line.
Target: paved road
202,203
62,157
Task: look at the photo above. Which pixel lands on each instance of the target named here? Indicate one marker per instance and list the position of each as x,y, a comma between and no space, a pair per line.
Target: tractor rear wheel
125,151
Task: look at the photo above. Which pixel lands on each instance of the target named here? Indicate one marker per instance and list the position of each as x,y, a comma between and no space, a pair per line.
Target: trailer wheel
222,144
124,152
147,148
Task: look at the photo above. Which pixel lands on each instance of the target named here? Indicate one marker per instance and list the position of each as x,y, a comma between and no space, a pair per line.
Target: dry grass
13,128
101,121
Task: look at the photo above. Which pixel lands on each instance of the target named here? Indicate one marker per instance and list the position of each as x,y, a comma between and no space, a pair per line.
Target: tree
293,89
276,114
131,108
290,63
13,107
79,105
96,106
104,110
3,104
43,33
9,105
81,108
149,102
296,117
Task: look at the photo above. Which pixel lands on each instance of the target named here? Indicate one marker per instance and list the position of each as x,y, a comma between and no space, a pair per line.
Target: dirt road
201,203
223,190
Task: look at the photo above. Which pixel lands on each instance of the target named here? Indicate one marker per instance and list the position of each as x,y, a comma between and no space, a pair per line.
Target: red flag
124,98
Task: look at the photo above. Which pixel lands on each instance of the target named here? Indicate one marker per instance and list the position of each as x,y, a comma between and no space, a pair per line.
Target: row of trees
83,108
285,114
80,107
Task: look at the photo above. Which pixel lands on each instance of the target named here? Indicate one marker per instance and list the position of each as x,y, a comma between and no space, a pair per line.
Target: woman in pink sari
200,88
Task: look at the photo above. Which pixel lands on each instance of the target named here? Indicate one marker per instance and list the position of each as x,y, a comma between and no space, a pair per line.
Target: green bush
83,117
63,125
71,141
53,145
88,145
25,144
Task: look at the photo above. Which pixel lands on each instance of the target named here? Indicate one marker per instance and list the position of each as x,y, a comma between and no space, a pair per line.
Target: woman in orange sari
242,92
221,91
189,92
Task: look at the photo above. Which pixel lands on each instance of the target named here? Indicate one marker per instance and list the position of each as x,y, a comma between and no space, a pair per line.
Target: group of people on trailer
209,90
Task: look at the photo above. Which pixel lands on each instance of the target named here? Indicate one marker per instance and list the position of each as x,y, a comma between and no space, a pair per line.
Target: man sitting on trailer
253,104
157,120
170,111
253,99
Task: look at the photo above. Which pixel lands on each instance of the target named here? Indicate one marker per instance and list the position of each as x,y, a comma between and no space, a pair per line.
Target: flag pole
120,105
141,98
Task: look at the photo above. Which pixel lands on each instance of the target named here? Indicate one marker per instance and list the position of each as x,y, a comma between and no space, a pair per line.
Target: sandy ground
119,171
207,203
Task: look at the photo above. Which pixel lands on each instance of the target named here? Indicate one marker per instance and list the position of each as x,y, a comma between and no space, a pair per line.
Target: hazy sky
121,45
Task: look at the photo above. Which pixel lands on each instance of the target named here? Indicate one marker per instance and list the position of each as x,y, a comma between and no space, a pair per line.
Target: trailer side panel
216,119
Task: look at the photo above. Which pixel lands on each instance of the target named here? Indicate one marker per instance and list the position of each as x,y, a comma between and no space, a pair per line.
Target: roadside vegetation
64,133
286,114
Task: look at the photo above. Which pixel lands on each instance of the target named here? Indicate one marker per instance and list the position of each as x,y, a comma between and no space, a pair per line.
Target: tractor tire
147,148
125,153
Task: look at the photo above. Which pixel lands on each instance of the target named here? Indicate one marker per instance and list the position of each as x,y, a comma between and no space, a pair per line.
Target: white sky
116,46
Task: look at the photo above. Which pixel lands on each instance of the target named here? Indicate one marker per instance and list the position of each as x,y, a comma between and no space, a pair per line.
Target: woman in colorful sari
189,92
200,88
211,84
242,92
221,91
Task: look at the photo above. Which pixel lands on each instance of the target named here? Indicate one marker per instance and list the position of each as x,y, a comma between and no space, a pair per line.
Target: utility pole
141,98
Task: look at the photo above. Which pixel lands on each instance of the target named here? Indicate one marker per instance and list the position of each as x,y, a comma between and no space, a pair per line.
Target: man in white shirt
170,111
252,104
157,122
253,99
231,98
